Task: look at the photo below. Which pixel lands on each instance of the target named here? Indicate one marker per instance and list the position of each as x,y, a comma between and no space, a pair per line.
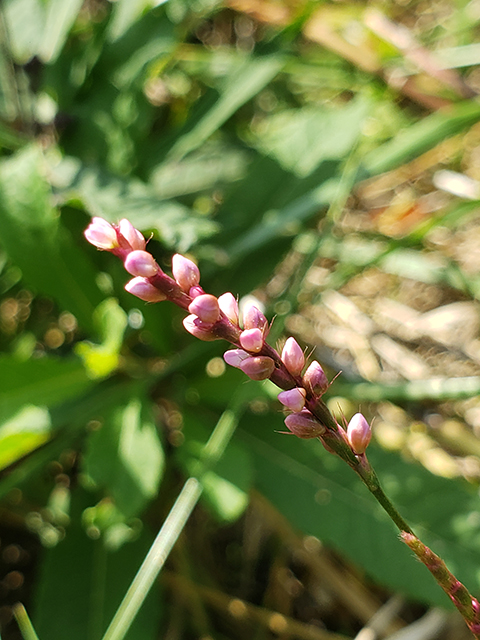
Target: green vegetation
322,156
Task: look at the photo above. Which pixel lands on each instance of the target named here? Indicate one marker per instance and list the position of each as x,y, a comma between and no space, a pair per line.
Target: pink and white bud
253,318
258,367
293,399
359,433
206,308
304,425
196,291
133,236
234,357
143,289
252,340
141,263
197,328
293,357
101,234
229,306
185,272
314,379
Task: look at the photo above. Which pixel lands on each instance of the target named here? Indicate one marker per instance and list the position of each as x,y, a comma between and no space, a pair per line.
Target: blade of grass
24,622
174,524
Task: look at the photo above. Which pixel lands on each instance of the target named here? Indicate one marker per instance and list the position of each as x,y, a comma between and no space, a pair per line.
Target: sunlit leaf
126,457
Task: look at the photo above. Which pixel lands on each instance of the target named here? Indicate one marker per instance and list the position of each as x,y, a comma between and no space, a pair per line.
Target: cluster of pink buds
212,318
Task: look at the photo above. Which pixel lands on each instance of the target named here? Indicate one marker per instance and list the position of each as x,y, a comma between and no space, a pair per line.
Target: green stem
370,480
24,623
172,527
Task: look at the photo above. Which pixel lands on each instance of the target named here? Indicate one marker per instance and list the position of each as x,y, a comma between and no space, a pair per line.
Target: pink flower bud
198,328
133,236
304,425
141,263
196,291
185,272
234,357
258,367
253,318
293,399
359,433
252,340
314,379
293,357
229,306
144,290
206,308
101,234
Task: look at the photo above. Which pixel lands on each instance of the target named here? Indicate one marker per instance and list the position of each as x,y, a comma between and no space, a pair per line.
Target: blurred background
323,157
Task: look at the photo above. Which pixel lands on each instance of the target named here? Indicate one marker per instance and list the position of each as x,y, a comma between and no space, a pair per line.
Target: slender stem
370,479
172,527
24,622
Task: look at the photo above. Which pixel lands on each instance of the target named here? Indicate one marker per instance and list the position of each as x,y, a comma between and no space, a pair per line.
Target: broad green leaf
301,139
101,360
125,13
81,584
24,20
125,455
114,198
60,17
322,496
41,382
34,240
199,171
68,419
23,433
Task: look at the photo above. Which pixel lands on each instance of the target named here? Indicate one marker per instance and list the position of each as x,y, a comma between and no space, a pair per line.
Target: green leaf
242,84
301,139
24,21
42,382
101,360
113,198
321,496
126,13
23,433
60,17
81,584
422,136
125,455
34,240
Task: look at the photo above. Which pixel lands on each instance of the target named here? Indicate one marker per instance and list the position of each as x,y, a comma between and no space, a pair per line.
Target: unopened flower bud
141,263
185,272
293,399
258,367
144,290
206,308
196,291
359,433
293,357
197,328
133,236
252,340
304,425
314,379
229,306
234,357
101,234
253,318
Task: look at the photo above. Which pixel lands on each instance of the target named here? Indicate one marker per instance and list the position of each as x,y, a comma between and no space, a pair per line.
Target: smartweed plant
302,384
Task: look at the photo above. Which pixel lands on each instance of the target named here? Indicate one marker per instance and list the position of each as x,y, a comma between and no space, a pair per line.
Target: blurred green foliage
232,141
